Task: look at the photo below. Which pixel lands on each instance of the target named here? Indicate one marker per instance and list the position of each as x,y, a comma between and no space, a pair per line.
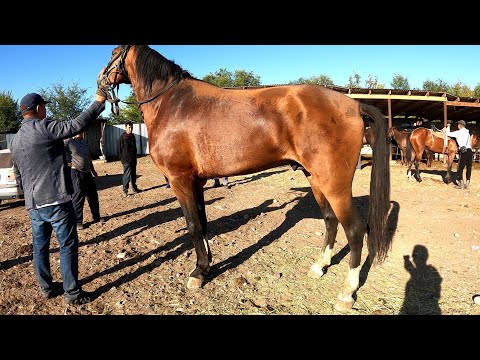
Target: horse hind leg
340,208
355,229
331,225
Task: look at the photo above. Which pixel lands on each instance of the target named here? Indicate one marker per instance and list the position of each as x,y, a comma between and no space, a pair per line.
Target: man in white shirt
464,151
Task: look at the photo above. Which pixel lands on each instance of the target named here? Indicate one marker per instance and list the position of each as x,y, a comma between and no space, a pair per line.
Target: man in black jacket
40,164
127,152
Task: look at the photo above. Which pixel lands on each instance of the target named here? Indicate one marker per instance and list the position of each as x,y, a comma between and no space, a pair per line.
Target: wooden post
444,125
389,101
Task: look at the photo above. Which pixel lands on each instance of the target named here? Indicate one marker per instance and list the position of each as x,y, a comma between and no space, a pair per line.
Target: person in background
462,135
83,178
39,159
127,152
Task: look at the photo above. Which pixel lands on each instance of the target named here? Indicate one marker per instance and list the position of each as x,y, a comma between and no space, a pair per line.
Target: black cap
30,101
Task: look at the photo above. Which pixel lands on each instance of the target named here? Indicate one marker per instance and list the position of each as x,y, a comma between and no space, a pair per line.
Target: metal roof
423,104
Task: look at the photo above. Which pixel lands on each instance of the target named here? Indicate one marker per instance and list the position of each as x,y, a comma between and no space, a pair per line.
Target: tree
224,78
317,79
439,85
372,83
67,102
460,89
10,116
245,78
476,91
129,112
353,81
400,82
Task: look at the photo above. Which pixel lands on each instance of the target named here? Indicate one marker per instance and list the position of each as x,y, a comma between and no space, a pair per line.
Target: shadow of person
422,291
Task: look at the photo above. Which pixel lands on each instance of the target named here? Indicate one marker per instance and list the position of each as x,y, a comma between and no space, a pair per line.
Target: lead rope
164,90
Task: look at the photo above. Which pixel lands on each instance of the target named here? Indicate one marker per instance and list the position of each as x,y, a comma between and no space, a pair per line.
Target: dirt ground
266,231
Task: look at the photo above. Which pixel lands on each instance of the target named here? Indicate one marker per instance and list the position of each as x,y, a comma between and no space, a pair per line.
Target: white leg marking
317,269
327,256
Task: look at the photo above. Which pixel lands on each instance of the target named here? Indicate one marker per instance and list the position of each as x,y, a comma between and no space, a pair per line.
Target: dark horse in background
423,139
198,131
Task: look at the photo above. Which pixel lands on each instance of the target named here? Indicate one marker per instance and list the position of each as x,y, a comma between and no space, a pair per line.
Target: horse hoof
315,271
344,306
194,283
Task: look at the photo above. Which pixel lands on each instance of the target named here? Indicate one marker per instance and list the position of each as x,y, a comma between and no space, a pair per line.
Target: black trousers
466,159
129,176
84,186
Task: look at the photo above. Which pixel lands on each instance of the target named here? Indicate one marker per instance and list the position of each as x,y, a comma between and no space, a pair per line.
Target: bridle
109,88
104,83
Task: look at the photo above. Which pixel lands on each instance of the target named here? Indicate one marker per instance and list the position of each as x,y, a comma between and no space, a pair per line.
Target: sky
30,68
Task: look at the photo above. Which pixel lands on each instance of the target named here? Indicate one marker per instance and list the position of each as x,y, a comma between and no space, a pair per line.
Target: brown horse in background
198,131
368,136
400,138
423,139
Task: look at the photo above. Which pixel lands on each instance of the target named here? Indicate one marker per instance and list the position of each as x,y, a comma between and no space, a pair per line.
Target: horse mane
151,66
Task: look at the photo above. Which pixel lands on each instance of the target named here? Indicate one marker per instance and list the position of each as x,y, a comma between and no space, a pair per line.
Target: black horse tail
409,149
379,204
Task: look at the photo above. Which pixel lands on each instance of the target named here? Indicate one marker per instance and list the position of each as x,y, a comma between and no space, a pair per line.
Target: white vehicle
8,184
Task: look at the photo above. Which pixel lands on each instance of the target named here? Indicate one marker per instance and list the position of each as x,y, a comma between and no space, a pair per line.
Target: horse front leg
448,177
190,196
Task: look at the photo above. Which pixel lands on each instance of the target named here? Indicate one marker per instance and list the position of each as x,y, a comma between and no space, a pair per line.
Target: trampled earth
266,231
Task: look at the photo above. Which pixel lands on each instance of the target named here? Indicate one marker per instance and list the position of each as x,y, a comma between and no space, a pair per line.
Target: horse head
474,141
114,74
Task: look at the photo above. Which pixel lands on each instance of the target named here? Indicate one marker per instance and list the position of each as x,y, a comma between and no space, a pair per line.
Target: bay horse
400,138
423,139
198,131
368,136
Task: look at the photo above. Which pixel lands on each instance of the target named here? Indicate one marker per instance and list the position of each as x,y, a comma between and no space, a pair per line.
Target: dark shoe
216,184
83,298
137,190
100,220
80,227
167,186
54,290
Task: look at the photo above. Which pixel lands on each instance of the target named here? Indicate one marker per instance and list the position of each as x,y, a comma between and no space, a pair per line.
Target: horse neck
139,85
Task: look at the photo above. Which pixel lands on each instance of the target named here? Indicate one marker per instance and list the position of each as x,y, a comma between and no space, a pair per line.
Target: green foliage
400,82
353,81
316,79
439,85
67,102
476,91
128,112
460,89
10,116
245,78
372,83
225,78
